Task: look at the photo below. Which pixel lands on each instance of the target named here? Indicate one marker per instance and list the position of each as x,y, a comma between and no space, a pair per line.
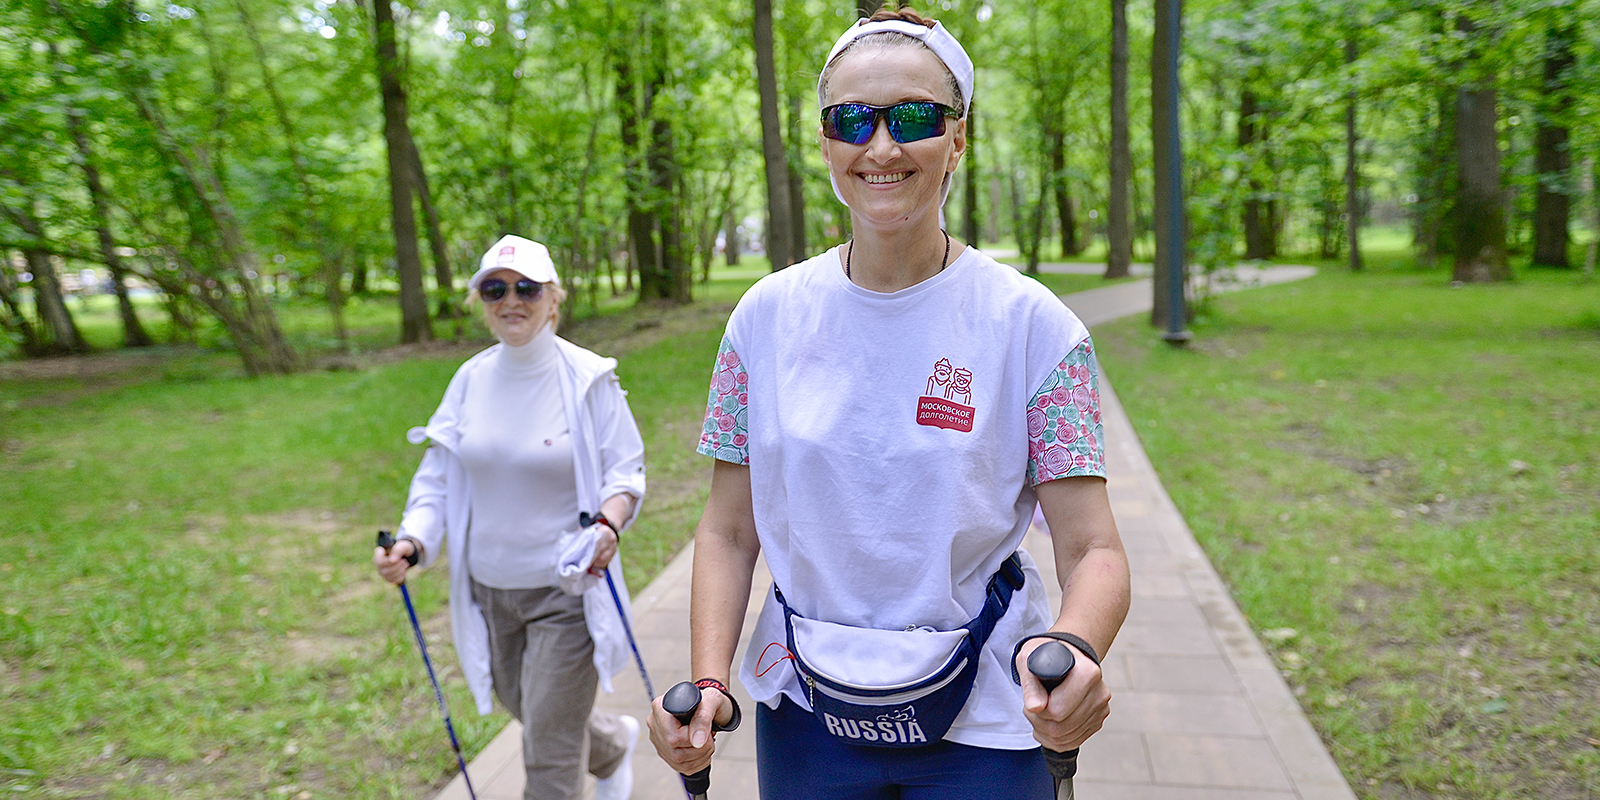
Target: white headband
936,38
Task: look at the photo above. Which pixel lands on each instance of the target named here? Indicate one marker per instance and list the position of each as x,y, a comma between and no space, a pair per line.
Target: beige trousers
542,662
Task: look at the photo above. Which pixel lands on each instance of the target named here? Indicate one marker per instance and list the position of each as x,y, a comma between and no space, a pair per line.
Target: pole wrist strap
733,724
1069,638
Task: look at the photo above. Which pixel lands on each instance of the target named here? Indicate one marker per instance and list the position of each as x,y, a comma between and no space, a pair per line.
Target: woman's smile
884,178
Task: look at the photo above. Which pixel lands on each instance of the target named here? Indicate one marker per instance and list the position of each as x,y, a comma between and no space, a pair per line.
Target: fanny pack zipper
812,687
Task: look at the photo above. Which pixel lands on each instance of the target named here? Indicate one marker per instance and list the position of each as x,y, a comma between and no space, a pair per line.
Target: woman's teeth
890,178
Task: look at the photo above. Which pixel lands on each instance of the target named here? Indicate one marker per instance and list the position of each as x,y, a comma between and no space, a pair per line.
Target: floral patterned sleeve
1065,438
726,433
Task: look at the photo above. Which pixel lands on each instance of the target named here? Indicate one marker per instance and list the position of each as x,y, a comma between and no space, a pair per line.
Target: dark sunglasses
494,290
911,121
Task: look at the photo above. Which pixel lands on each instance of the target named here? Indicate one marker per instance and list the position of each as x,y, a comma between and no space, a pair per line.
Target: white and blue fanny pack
894,688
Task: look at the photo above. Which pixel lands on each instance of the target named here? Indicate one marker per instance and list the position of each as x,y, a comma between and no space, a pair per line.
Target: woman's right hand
392,565
688,748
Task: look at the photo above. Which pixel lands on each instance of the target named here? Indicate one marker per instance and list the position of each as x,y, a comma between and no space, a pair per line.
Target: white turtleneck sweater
517,450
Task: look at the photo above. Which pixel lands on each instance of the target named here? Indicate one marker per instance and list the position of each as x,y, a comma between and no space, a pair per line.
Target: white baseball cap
517,254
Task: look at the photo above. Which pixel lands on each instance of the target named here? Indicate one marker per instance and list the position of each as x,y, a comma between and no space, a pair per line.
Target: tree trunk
1480,222
50,305
641,228
671,278
1594,200
415,325
1036,228
1352,172
1552,160
969,189
133,332
12,318
1256,225
580,240
1063,193
1167,312
797,188
780,222
1119,236
358,275
442,275
1433,235
1018,228
732,245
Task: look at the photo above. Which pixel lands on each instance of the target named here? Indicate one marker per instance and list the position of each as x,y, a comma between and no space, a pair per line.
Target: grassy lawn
1398,479
187,606
1401,483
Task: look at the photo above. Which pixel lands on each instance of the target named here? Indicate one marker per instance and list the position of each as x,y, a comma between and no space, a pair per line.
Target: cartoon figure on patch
941,376
950,409
960,383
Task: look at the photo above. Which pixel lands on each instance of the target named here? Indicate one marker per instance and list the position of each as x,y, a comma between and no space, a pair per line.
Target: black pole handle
681,701
1050,663
386,541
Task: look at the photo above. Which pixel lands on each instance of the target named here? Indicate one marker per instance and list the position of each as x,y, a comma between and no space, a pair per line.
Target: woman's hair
903,14
888,39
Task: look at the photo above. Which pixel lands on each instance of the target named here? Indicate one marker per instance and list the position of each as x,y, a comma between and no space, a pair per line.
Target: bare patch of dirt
317,648
86,367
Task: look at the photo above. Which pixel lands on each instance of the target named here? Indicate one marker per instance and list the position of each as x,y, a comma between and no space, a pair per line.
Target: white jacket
608,456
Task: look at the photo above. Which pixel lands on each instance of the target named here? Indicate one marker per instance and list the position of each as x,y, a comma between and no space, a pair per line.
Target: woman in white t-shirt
532,435
884,419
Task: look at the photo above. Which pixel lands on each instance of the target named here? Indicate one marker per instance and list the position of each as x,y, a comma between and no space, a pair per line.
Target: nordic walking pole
682,701
1050,663
386,541
650,692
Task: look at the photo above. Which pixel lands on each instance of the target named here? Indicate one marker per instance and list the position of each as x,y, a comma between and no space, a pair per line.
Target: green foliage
1404,476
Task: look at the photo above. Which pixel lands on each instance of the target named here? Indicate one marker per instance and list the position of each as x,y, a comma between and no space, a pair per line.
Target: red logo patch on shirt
939,407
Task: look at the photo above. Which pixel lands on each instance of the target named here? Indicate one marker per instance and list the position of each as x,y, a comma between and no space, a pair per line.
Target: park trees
237,154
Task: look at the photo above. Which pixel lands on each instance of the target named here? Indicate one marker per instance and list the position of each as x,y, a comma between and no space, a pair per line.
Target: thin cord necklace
944,262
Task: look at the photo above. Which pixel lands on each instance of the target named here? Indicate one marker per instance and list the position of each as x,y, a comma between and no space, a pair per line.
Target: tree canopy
226,152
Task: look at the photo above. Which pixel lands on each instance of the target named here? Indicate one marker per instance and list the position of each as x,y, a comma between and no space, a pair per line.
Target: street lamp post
1171,249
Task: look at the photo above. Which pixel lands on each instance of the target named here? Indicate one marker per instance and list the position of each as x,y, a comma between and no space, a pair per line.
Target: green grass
187,604
187,607
1402,480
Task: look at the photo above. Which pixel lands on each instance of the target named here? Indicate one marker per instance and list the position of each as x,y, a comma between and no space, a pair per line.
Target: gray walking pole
386,541
1050,663
682,701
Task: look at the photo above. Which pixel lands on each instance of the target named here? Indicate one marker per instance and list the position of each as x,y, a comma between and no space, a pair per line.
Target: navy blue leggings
797,759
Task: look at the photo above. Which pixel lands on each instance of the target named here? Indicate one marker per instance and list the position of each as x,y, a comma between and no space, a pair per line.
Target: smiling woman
532,441
885,417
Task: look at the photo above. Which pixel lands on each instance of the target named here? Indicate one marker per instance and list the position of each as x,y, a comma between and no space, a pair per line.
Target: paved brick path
1198,710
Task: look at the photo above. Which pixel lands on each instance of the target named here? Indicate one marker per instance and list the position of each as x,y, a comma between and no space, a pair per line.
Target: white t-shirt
517,450
893,442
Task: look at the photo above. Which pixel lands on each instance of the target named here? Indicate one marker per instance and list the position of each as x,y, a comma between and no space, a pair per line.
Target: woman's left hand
1067,717
605,548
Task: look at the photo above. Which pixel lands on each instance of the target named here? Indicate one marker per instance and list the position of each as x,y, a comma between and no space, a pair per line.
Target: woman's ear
958,145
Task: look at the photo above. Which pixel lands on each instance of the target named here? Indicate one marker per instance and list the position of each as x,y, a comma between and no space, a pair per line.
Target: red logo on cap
507,254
